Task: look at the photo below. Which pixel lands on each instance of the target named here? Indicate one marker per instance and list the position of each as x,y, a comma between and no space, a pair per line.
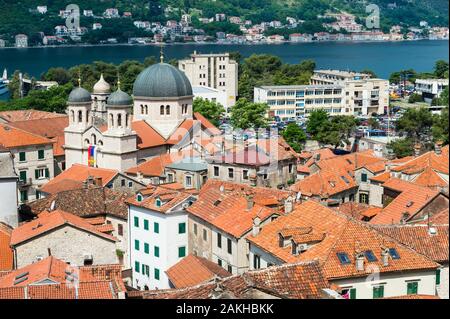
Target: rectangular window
205,235
23,196
219,240
120,229
364,177
195,229
41,173
256,262
230,269
156,273
181,228
216,171
231,173
23,176
122,183
22,157
438,276
188,181
41,154
181,252
137,266
136,221
412,288
156,251
219,262
353,293
156,228
130,184
229,247
136,244
378,292
145,224
245,174
146,248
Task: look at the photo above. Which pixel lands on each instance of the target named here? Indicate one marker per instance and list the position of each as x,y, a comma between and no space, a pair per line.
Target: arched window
87,116
94,139
127,119
111,120
167,109
161,110
142,109
86,142
80,116
146,109
119,120
100,142
72,116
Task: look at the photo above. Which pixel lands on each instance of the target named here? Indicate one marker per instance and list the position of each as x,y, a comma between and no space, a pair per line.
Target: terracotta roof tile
418,237
342,235
11,137
439,163
324,183
207,124
47,221
180,132
357,210
147,137
47,127
193,270
6,253
27,115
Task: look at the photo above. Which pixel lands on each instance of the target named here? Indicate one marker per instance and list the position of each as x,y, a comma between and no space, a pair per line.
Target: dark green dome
162,80
119,98
79,95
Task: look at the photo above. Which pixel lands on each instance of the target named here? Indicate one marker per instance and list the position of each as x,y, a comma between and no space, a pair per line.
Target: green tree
337,130
59,75
373,123
441,69
245,114
402,147
416,122
317,120
294,136
415,97
367,71
440,126
213,111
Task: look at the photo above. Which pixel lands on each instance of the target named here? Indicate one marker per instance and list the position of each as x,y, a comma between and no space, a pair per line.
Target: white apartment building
157,235
211,94
336,92
216,71
8,189
430,88
296,101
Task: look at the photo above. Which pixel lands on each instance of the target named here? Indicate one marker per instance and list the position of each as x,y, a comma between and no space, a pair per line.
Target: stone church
117,131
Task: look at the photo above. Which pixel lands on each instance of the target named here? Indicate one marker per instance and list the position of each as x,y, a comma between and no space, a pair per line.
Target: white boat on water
4,83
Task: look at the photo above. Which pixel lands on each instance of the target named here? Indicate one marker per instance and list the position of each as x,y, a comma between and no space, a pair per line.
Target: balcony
25,183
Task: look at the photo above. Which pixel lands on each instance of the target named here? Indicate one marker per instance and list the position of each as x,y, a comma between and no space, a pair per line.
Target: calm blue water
383,58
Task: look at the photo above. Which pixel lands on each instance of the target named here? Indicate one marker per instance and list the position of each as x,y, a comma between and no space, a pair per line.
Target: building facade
8,189
430,88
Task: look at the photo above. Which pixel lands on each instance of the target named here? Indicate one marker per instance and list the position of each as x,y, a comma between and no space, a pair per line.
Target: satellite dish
53,206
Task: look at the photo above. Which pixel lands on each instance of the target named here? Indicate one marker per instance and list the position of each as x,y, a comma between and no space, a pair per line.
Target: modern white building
21,41
215,71
211,94
158,236
430,88
8,189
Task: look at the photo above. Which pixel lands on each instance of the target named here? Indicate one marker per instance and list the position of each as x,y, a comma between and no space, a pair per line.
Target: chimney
294,250
280,240
250,201
359,261
256,226
288,205
417,148
385,256
438,147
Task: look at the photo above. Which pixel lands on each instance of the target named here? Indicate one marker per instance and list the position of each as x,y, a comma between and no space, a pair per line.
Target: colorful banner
91,155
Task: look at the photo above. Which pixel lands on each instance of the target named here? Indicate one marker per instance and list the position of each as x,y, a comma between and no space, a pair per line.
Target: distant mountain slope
15,16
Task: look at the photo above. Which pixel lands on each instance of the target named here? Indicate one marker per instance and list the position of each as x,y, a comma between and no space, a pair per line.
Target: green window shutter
438,276
136,244
47,173
363,177
181,252
146,248
145,224
22,156
136,266
136,221
23,176
143,269
36,174
353,293
40,154
378,292
181,228
23,195
156,252
412,288
156,273
156,228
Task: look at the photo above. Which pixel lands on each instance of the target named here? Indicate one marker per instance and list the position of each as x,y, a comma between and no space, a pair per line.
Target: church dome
79,95
102,86
119,98
162,80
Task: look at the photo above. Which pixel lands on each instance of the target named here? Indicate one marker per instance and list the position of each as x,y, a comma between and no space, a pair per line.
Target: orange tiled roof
323,153
180,132
6,253
11,137
46,127
439,218
357,210
193,270
224,205
381,178
439,163
78,173
27,115
342,235
418,237
147,137
430,178
58,143
170,198
411,200
207,124
47,221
